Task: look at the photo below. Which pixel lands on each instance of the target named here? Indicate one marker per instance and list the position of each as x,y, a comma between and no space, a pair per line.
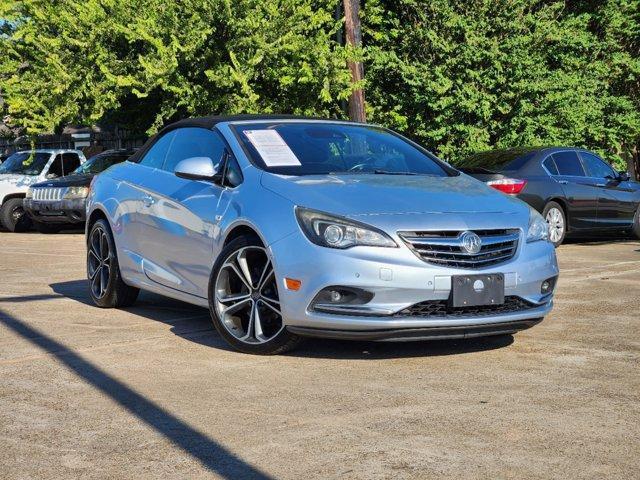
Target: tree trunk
633,161
353,35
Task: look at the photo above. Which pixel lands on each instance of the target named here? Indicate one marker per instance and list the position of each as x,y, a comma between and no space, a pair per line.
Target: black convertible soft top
209,122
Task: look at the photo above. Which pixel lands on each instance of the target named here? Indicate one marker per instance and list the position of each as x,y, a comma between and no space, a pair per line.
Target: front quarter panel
269,214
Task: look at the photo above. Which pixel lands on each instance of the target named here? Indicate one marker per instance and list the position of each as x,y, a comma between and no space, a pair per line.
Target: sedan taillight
512,186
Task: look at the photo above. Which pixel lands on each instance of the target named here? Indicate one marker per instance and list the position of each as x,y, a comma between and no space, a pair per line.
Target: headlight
538,227
29,193
76,192
337,232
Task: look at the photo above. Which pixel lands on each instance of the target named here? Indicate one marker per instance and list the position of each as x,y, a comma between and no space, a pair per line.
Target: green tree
460,76
155,60
471,75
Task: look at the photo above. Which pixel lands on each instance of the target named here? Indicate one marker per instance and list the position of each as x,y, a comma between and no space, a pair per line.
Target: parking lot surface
153,392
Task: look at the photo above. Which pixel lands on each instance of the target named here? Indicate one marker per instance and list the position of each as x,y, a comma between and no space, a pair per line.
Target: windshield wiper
369,172
387,172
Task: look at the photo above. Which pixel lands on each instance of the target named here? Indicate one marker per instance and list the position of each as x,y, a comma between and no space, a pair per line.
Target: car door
180,216
579,192
135,197
616,198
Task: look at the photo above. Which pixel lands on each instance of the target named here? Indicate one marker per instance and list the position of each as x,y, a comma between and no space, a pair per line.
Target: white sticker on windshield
272,148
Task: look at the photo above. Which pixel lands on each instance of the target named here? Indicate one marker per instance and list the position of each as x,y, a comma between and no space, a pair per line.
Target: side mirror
197,168
624,176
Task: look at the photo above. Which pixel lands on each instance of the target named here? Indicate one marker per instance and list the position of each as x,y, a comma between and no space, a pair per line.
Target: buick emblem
471,242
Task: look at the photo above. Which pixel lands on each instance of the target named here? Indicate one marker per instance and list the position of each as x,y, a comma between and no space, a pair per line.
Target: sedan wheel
247,297
554,215
99,262
244,300
106,286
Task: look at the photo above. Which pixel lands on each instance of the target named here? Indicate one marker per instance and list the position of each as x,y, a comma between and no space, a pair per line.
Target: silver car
288,227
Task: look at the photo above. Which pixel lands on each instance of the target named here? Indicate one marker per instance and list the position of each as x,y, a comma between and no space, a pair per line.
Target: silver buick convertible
290,227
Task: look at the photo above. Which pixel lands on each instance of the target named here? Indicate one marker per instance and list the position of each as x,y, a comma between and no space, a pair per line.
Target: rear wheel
13,216
105,282
244,302
557,220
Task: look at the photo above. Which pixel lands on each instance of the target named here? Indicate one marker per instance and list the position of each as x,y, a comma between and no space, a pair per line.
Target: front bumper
56,211
416,334
399,280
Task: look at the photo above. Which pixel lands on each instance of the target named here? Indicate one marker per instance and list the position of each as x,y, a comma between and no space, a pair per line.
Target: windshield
25,163
311,148
99,163
497,160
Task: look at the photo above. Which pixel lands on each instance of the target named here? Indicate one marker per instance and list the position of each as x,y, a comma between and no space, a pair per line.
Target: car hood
69,181
11,183
368,194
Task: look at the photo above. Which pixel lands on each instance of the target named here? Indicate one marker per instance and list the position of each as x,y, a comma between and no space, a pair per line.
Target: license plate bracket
477,290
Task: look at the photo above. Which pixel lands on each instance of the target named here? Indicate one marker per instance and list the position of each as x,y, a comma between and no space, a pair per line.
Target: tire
635,230
554,214
106,287
46,228
13,216
255,324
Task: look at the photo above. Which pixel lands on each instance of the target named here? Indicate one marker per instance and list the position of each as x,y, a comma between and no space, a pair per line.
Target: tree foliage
472,75
82,60
459,76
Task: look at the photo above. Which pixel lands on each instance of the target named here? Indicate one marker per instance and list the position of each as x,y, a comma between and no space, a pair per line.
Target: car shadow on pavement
595,239
198,445
193,323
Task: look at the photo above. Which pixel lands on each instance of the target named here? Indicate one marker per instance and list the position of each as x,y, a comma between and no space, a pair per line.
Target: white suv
25,168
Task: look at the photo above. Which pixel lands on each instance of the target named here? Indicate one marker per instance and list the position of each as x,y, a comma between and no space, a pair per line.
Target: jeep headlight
538,227
338,232
29,193
76,192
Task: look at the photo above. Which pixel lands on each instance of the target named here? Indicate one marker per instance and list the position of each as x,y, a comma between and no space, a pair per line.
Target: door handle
563,182
148,200
601,184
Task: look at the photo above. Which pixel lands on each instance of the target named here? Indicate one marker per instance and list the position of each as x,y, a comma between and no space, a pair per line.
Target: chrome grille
446,247
48,193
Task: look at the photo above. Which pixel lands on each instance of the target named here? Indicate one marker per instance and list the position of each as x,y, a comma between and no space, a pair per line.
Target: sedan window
568,163
194,142
596,167
550,165
154,158
497,160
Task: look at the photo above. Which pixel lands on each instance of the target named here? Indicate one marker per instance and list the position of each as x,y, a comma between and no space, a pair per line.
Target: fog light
547,285
340,296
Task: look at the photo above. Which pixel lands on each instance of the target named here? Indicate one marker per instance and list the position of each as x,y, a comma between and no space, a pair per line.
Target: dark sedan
56,203
574,189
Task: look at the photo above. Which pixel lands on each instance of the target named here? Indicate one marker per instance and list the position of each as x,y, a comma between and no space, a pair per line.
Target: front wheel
244,302
557,220
13,217
106,287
